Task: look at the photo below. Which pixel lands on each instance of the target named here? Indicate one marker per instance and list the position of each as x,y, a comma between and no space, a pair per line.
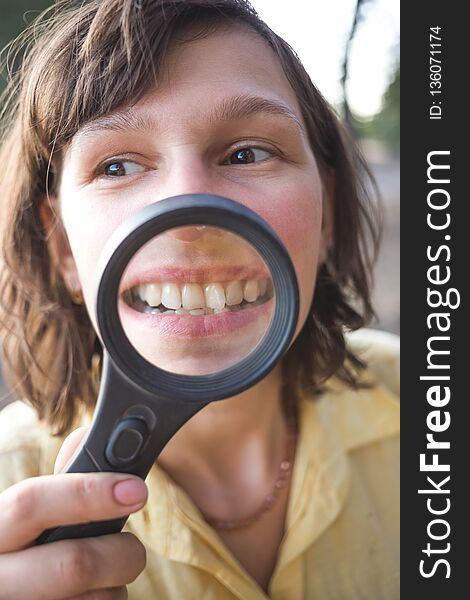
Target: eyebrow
239,107
229,109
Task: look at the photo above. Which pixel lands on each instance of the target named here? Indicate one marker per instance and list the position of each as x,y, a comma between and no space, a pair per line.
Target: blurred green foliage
385,125
15,15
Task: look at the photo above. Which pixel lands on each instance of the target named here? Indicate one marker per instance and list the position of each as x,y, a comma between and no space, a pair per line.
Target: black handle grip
84,530
129,429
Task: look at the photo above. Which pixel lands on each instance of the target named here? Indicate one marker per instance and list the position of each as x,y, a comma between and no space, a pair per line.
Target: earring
77,296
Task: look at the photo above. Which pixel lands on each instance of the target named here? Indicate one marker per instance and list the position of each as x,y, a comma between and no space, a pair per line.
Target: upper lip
213,274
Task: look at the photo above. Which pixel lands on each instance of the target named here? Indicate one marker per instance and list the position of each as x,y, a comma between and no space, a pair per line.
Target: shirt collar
331,425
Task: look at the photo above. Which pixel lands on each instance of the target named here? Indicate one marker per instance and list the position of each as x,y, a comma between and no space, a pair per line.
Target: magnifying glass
196,301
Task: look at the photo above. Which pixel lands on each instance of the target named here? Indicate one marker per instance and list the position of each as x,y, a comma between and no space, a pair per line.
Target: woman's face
223,120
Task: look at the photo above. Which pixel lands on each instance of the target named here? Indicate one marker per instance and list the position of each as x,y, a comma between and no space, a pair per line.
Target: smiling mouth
198,299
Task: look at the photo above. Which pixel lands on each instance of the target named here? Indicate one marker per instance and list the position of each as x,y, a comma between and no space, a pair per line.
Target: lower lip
192,326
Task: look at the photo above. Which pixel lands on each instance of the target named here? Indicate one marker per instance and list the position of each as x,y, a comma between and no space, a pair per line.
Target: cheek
296,216
88,229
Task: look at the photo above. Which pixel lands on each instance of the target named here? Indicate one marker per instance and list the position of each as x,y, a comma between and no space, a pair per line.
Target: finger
72,567
71,443
33,505
119,593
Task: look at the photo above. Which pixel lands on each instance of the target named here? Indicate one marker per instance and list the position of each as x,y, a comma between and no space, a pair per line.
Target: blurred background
351,50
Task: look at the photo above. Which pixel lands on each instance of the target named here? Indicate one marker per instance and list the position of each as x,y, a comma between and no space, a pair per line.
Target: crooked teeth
233,293
151,293
171,295
214,296
250,290
197,299
192,296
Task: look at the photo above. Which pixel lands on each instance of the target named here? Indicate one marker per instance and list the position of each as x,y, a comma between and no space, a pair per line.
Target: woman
287,490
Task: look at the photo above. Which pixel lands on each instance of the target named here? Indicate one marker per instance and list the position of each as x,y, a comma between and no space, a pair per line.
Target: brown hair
82,60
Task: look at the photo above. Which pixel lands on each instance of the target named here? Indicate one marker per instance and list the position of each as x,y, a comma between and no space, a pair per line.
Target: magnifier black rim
178,211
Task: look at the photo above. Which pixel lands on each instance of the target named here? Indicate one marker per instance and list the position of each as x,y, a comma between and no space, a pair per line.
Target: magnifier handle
129,429
81,464
84,530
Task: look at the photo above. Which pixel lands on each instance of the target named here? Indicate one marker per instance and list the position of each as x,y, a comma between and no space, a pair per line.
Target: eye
246,156
121,168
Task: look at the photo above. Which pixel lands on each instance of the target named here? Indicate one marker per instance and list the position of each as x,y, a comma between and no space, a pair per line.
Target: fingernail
130,491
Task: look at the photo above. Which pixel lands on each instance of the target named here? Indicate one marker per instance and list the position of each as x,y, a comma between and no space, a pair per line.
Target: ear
59,247
328,218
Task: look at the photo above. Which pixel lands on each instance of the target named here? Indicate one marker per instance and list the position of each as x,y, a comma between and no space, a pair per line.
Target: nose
189,173
187,170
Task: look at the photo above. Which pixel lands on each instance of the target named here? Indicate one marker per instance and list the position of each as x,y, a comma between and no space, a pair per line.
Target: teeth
250,290
262,286
233,293
214,296
193,296
171,295
151,293
200,299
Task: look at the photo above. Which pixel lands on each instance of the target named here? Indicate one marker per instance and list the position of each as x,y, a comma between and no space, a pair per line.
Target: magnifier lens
196,300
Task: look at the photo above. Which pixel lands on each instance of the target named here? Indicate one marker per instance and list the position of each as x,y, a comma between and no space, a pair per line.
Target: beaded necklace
285,469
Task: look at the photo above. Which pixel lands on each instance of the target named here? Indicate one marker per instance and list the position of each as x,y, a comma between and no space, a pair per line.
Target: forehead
229,55
232,72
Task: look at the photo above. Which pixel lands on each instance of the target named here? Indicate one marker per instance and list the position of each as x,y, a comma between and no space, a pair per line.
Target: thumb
69,446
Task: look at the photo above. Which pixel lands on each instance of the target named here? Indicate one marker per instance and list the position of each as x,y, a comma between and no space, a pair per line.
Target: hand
93,568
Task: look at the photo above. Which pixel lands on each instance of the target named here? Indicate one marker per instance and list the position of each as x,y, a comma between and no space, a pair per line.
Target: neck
224,438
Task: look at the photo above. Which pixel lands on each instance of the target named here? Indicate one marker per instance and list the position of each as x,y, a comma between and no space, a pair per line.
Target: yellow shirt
342,529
